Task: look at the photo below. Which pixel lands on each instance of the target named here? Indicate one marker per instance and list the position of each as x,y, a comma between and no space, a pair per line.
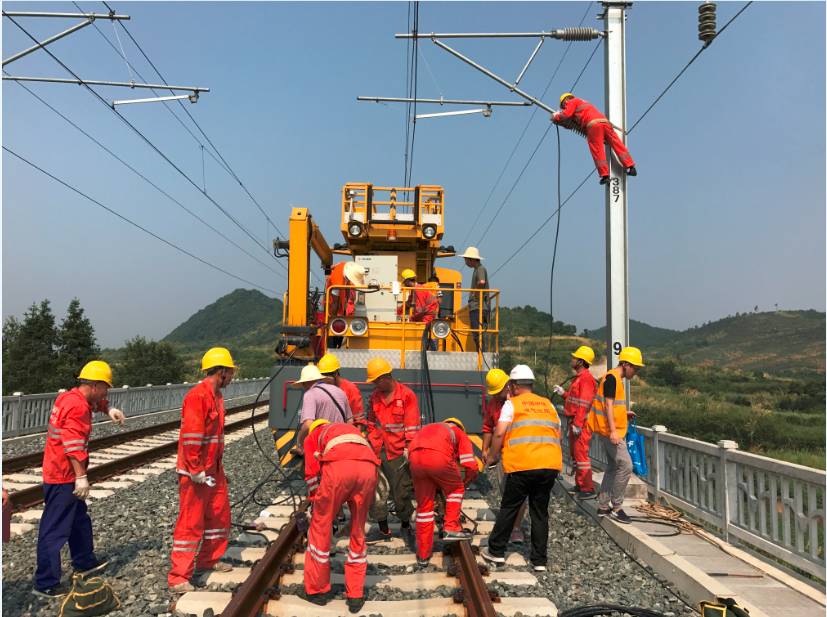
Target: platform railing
760,502
25,414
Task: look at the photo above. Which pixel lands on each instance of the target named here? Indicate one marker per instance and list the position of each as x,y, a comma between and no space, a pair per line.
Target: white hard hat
355,273
310,373
521,372
472,253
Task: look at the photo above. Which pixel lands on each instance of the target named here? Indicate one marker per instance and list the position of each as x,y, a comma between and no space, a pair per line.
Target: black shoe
96,569
423,563
319,599
620,516
354,605
584,495
605,179
601,512
631,171
377,535
58,591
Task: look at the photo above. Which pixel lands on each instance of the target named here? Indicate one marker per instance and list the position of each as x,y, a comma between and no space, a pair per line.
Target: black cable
141,135
609,609
143,177
415,78
133,223
554,250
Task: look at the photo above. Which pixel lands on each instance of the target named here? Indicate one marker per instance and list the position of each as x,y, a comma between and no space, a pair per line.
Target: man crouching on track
65,486
435,451
339,467
204,509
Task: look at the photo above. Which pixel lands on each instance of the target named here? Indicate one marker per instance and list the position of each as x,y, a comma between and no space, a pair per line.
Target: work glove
555,117
81,487
576,430
117,416
558,390
199,478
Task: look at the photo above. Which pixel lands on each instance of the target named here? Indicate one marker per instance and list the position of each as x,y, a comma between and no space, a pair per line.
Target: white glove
558,390
576,430
199,478
117,416
81,487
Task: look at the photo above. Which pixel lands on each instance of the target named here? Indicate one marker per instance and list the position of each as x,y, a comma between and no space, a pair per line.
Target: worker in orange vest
339,467
608,417
203,526
528,433
393,421
441,458
578,401
329,367
585,118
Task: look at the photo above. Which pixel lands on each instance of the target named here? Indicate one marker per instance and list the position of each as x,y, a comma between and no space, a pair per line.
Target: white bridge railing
25,414
766,504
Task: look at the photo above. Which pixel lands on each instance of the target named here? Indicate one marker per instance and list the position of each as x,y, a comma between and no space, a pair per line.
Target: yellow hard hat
585,353
456,421
329,363
97,370
564,96
378,367
407,273
316,424
217,356
495,381
631,355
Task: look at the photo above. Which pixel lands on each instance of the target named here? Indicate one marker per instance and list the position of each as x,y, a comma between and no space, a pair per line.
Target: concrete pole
617,292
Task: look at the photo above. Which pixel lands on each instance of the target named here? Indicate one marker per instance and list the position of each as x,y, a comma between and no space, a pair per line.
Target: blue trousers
64,519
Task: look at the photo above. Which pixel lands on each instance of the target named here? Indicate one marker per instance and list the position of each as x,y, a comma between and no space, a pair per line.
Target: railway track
268,576
115,462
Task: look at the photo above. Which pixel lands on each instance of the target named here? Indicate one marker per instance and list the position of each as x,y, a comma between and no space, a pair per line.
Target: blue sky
728,211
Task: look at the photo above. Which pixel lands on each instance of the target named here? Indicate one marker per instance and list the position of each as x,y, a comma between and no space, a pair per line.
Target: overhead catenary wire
522,134
414,89
145,139
634,125
134,224
146,179
226,164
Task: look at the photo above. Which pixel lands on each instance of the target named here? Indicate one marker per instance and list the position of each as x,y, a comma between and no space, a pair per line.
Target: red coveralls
354,398
393,423
204,511
342,301
70,425
423,304
337,471
491,415
578,400
434,453
598,132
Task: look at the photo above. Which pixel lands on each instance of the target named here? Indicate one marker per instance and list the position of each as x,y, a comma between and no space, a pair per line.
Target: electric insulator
576,34
707,28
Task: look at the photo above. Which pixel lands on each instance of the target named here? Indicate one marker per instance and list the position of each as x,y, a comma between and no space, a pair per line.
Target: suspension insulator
707,28
576,34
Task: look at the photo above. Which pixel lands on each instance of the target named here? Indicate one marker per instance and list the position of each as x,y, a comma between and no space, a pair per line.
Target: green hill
641,334
243,318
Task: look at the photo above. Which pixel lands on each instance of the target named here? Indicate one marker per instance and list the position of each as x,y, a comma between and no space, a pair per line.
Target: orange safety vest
533,438
597,421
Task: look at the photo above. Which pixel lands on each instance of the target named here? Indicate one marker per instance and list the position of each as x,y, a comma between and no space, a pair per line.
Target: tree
76,340
150,362
30,360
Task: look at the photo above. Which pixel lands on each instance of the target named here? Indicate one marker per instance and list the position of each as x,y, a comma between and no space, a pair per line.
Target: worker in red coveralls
496,384
342,302
441,458
65,486
393,421
203,526
586,118
339,467
421,305
329,367
578,401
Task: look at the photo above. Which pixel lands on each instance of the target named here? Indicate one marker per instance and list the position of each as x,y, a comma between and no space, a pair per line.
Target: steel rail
32,496
475,594
249,599
26,461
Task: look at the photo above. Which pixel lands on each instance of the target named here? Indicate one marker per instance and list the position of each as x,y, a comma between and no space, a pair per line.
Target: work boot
584,495
319,599
181,587
378,535
620,516
421,564
58,591
631,171
604,179
354,605
455,536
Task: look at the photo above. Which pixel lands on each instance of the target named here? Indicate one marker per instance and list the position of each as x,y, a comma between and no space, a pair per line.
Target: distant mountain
529,321
243,318
641,334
